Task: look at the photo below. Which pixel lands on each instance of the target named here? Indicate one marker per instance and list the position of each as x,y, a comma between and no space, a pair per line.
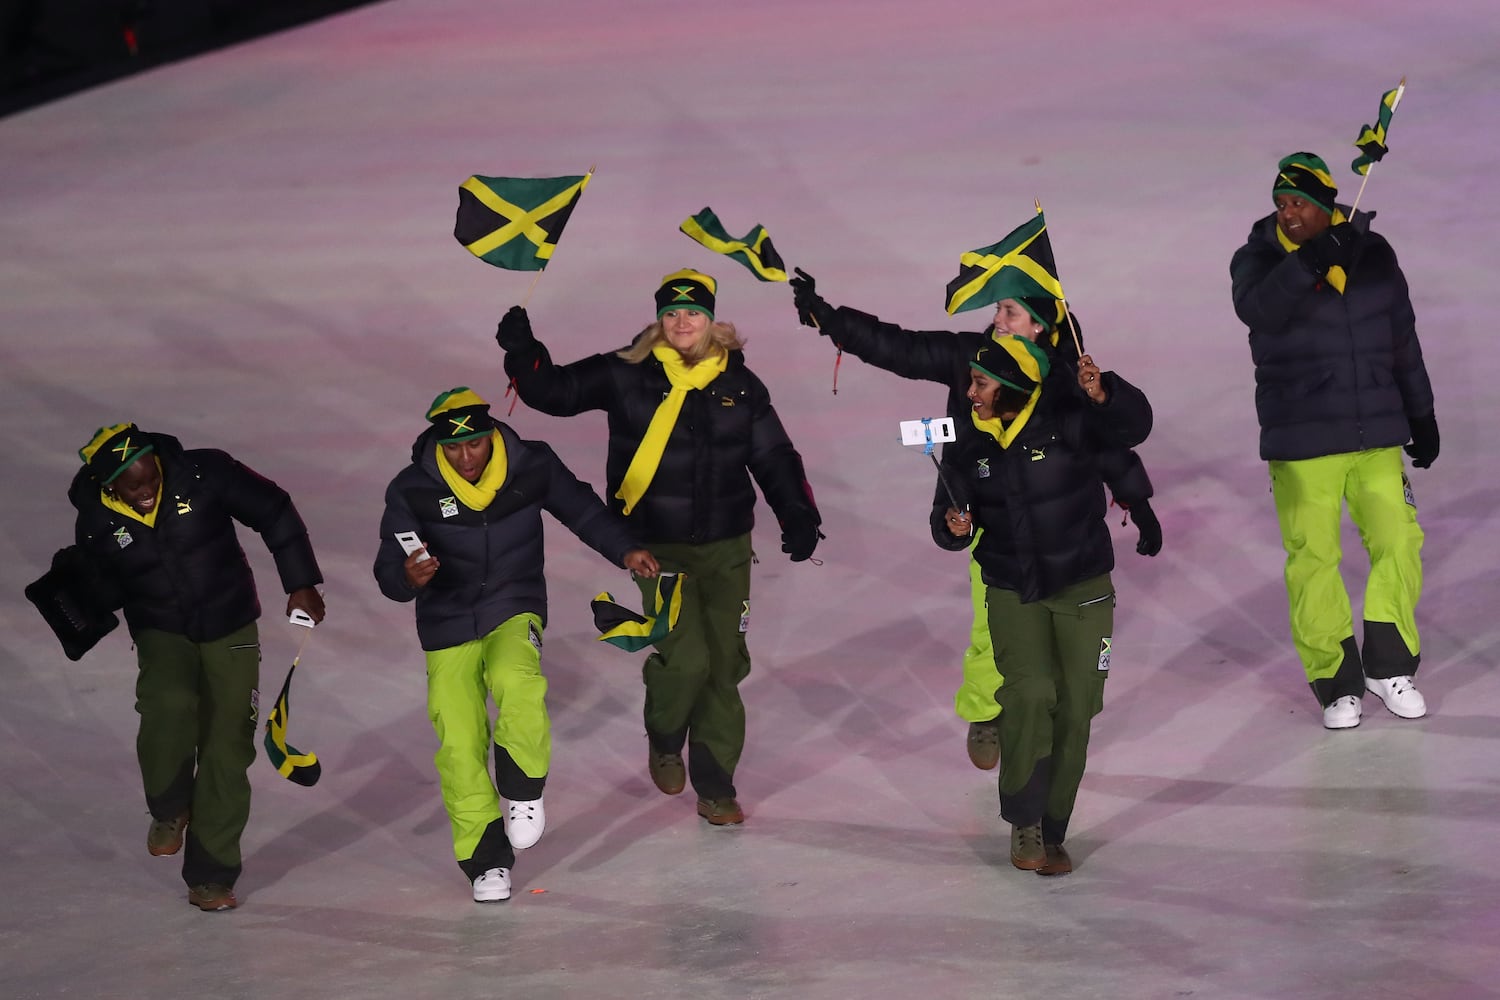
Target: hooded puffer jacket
492,560
1334,373
188,574
1040,501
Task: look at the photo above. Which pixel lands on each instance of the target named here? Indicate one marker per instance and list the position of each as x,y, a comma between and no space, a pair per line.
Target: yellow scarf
477,496
116,504
648,455
997,429
1335,276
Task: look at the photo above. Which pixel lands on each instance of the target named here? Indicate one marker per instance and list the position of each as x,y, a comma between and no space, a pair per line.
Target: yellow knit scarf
1335,276
116,504
996,428
648,455
477,496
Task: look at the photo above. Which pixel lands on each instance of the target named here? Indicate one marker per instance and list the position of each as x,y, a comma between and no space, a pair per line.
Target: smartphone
411,543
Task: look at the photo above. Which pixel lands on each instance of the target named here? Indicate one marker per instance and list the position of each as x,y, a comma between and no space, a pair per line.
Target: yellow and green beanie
460,415
1013,361
1306,176
114,449
686,289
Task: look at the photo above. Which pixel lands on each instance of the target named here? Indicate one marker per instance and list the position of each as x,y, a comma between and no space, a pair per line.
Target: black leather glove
812,310
514,332
1333,247
1149,542
800,539
1424,441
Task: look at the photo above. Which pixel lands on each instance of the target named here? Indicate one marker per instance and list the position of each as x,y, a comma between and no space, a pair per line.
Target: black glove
1333,247
514,331
1149,543
811,309
798,540
1424,441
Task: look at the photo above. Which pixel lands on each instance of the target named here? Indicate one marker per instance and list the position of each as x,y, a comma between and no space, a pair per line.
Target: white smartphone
411,543
940,430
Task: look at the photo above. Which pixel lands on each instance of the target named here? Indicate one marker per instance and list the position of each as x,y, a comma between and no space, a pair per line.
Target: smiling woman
689,427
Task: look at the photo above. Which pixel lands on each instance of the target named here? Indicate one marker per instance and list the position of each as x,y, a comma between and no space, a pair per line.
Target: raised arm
561,390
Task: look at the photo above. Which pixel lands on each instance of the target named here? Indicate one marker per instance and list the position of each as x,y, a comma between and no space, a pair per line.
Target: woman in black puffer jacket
1029,478
690,426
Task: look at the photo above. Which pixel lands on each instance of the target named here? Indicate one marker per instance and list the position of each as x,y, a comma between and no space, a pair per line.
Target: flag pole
1072,327
527,297
1400,90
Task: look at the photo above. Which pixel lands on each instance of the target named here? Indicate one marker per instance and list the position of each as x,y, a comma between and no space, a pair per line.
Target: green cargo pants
199,706
1054,654
692,680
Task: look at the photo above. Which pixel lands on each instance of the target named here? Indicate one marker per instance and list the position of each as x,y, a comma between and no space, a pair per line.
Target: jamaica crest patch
1104,647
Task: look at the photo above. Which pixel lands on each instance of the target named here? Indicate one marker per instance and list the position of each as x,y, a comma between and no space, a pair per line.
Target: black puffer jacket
188,574
726,433
1041,501
944,356
1333,373
492,560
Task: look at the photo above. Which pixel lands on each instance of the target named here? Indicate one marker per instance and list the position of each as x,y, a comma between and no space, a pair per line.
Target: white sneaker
1399,694
1342,713
524,822
492,886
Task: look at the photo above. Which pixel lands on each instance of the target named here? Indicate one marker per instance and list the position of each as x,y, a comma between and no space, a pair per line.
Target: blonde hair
720,336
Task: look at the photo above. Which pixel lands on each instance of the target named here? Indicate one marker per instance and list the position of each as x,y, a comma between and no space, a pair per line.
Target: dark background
51,48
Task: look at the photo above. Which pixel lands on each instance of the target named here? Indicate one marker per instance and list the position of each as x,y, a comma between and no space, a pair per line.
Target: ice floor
253,251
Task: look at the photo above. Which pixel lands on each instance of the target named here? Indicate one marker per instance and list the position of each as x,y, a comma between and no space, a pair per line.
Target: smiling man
157,523
1340,387
474,495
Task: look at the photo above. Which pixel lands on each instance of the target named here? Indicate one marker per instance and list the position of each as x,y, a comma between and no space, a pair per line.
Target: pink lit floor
253,251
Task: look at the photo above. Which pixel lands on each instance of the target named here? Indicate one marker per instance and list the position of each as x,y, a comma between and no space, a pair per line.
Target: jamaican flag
1371,141
290,763
754,250
1019,266
619,626
515,222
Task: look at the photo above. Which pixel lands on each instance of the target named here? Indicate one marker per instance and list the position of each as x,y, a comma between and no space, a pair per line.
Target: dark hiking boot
984,745
1026,850
721,812
1058,862
165,836
667,772
212,896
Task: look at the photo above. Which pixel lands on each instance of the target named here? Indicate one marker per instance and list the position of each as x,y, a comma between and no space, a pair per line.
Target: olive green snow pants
199,705
1054,654
692,680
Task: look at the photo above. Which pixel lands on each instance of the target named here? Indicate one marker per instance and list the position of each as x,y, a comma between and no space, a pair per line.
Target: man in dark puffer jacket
157,523
1339,387
474,495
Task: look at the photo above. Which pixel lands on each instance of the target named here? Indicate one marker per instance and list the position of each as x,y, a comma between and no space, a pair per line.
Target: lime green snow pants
1310,495
505,665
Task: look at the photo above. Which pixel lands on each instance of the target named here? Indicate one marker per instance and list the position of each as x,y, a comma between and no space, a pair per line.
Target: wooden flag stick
1072,327
1400,90
527,298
